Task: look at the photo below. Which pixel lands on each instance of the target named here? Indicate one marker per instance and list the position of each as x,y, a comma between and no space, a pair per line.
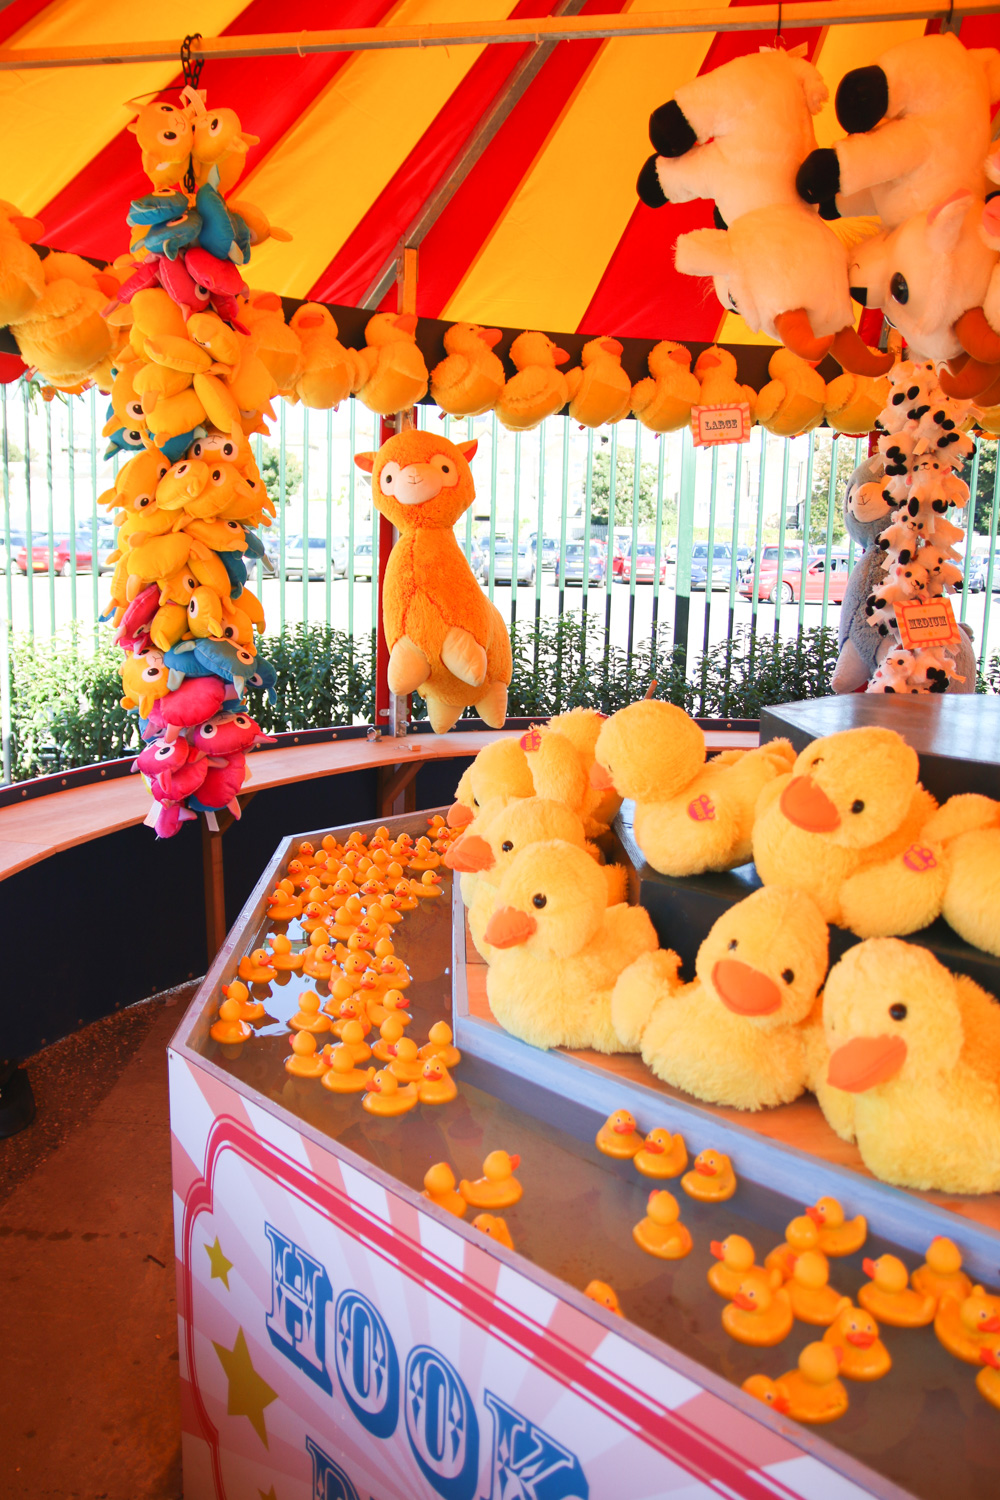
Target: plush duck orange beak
469,853
808,807
866,1061
745,990
459,816
508,927
599,778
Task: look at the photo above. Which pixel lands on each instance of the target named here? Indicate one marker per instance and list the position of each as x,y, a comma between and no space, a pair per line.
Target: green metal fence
644,538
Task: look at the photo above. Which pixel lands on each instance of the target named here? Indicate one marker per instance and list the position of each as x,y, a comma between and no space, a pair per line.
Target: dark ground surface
89,1403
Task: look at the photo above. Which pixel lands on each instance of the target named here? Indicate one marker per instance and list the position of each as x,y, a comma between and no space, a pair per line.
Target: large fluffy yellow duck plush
277,345
690,815
470,378
329,372
968,826
447,641
847,825
735,1035
663,401
854,401
582,726
539,389
561,949
912,1068
716,371
393,375
499,772
599,390
794,399
22,277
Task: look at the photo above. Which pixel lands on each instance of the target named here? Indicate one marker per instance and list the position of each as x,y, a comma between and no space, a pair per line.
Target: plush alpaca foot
408,667
492,707
442,715
462,654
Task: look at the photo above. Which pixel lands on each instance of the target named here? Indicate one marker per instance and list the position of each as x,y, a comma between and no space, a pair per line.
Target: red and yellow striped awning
545,229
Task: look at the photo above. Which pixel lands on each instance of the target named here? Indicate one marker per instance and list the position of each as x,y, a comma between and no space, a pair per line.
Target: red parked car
794,581
60,557
645,564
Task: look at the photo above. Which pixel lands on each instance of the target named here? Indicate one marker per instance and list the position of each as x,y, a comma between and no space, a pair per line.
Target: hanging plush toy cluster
188,385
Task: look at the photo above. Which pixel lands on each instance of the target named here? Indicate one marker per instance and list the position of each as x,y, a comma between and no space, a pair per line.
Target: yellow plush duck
854,401
561,948
539,389
277,346
499,772
22,277
716,370
582,726
913,1069
663,401
470,378
329,372
599,389
690,816
794,399
847,826
393,374
735,1035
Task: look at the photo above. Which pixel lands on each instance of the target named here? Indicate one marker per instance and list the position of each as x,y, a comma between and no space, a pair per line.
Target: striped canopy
545,231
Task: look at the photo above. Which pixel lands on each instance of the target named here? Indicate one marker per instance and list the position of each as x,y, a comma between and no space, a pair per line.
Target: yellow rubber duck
605,1296
352,1008
661,1232
495,1227
386,1096
498,1187
814,1391
309,1017
328,372
661,1154
343,1076
759,1313
439,1187
393,375
281,907
813,1299
663,401
439,1045
941,1274
405,1065
988,1379
256,967
967,1327
715,369
315,914
318,961
887,1296
763,1388
854,401
389,1034
801,1234
838,1235
618,1136
352,1036
230,1027
391,974
250,1010
736,1260
794,399
281,955
470,378
712,1179
599,389
539,389
436,1084
854,1333
305,1061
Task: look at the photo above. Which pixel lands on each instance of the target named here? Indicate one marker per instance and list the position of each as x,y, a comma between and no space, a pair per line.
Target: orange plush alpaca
446,640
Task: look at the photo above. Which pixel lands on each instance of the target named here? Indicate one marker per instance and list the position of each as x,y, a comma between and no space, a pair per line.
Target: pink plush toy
228,733
161,756
197,699
221,785
176,786
133,630
170,818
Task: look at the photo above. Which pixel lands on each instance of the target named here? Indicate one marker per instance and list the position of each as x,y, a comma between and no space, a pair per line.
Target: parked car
721,565
503,562
317,561
63,554
978,568
812,581
574,564
363,559
645,564
550,550
473,551
17,541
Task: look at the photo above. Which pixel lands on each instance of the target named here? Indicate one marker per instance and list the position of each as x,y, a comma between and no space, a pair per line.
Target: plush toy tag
720,424
919,858
701,810
530,741
927,624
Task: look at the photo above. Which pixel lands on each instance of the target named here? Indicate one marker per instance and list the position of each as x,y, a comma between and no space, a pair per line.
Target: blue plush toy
157,208
237,570
127,440
172,238
223,234
264,680
222,659
176,447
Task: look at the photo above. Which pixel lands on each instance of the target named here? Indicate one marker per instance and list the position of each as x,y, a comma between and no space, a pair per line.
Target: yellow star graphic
248,1392
221,1267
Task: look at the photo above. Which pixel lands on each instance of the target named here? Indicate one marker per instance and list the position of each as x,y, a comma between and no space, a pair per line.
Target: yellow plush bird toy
447,641
599,391
470,378
793,401
663,401
735,1035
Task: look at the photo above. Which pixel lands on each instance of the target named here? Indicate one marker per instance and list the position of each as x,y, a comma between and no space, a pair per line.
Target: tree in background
270,472
819,510
985,482
624,482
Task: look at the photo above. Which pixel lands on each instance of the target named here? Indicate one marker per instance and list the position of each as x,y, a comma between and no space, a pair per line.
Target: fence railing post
685,546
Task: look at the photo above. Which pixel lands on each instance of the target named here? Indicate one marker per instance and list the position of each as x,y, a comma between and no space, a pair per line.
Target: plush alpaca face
420,480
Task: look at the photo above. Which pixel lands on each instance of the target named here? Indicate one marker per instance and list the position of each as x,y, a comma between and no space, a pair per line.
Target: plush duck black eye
788,975
538,901
898,1012
506,846
898,289
732,944
857,805
816,761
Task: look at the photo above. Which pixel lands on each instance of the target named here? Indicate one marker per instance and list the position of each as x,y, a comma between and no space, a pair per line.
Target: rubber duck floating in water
759,1313
618,1136
605,1296
305,1061
281,955
887,1296
440,1188
661,1232
736,1260
385,1095
309,1017
250,1010
813,1299
230,1027
712,1179
941,1275
863,1356
436,1085
256,967
814,1391
343,1076
439,1045
498,1187
966,1328
661,1154
838,1235
801,1235
495,1227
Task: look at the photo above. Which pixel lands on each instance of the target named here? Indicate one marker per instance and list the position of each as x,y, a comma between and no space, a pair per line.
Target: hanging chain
191,68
